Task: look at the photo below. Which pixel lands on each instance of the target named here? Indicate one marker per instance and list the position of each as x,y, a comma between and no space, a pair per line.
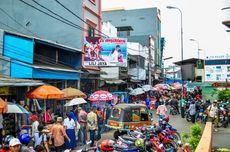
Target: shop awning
115,81
5,82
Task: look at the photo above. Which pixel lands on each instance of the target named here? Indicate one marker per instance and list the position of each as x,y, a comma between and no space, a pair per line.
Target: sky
202,21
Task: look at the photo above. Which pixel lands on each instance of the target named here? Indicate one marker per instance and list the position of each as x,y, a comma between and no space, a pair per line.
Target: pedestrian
182,107
15,145
70,127
1,126
92,124
192,111
47,118
212,112
25,118
174,103
100,122
106,115
82,119
161,110
35,124
40,139
59,135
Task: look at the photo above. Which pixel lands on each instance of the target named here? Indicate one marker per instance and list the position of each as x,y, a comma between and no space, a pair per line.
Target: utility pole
150,58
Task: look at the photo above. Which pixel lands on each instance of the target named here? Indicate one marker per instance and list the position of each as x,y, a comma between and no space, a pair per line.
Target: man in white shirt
35,124
212,114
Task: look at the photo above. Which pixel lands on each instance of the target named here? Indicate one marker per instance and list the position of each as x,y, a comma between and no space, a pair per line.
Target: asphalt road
220,138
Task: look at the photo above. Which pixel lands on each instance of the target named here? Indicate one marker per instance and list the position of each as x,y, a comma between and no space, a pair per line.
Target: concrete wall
41,24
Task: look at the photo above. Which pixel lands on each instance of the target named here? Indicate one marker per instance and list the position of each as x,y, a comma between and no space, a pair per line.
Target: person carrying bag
40,139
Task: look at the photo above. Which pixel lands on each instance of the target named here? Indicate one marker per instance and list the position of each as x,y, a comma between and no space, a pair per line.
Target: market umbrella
15,108
137,91
161,86
146,87
101,95
177,85
3,106
45,92
70,93
75,101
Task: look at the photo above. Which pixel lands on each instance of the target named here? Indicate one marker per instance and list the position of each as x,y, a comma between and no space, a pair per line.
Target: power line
50,15
78,16
9,27
84,20
66,21
17,21
57,15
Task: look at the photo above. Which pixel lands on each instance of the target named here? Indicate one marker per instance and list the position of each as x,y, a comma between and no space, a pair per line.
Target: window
116,112
91,31
123,33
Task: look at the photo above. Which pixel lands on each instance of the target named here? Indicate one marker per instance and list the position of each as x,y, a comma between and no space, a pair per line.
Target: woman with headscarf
69,124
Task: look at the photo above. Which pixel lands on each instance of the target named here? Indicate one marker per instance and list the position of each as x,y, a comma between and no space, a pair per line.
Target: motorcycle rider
174,103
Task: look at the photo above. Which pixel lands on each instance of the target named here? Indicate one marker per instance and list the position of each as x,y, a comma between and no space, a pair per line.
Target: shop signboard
4,91
105,52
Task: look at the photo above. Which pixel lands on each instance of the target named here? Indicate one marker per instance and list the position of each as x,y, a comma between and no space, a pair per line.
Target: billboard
103,51
215,73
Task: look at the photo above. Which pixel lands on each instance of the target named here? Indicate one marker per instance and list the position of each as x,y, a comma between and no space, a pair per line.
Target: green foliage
185,136
193,142
194,137
196,131
224,95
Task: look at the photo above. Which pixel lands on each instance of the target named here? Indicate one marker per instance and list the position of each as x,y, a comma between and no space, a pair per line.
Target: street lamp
182,81
198,47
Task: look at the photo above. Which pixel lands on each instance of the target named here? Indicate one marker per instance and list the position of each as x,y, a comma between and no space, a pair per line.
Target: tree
224,95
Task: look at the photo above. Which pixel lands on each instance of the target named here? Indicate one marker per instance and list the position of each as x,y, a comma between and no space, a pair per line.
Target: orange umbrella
45,92
3,106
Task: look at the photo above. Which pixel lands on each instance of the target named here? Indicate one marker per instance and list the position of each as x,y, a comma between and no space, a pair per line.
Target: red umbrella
101,96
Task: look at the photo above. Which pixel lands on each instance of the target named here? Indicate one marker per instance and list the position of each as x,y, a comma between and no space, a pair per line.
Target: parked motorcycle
223,116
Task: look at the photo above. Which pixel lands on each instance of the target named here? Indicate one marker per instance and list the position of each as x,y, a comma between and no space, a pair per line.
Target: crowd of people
71,130
58,133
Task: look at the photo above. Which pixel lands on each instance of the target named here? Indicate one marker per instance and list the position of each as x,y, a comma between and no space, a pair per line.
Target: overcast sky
202,20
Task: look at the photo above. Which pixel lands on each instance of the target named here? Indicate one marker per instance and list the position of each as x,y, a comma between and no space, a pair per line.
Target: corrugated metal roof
19,82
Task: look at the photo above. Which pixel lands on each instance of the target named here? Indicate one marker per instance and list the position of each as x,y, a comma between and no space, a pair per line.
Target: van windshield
116,112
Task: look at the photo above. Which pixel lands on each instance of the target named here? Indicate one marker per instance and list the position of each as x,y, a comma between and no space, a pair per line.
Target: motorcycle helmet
166,118
7,139
158,129
142,129
107,145
139,143
24,138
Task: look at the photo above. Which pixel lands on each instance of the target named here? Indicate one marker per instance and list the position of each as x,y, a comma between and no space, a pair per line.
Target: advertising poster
102,51
215,73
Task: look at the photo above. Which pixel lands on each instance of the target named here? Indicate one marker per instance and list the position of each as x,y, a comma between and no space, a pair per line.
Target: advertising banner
102,51
215,73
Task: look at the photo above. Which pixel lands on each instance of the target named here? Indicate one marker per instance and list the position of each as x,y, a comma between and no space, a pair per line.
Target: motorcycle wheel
188,118
170,146
176,137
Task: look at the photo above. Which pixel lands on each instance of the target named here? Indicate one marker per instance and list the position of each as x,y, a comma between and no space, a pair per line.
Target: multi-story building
62,22
137,25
